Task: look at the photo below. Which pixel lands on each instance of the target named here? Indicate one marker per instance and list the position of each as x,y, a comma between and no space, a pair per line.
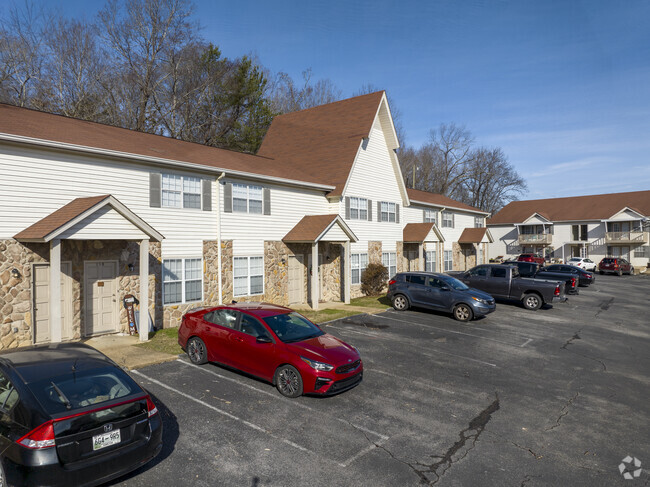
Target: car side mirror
264,339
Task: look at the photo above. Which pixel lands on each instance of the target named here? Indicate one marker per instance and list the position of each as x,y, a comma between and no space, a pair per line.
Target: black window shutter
207,194
267,201
227,198
453,220
424,215
369,210
378,211
154,189
396,213
347,207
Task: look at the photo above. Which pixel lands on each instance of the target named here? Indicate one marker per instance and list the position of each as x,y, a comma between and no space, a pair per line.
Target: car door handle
239,339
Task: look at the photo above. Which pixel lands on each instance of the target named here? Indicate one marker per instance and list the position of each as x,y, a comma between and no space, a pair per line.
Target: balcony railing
627,237
535,238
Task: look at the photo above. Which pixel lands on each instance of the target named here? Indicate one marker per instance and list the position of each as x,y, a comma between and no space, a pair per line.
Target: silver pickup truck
504,282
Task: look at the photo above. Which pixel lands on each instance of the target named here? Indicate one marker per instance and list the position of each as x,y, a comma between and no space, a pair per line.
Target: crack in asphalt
527,478
477,425
576,336
604,306
563,412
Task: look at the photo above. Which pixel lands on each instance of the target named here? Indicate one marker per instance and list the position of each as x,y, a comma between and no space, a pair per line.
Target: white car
586,264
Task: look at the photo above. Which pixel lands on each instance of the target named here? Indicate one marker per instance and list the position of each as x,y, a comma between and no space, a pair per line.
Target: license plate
107,439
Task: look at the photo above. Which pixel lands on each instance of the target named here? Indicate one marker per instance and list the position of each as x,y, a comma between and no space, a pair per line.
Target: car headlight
482,301
314,364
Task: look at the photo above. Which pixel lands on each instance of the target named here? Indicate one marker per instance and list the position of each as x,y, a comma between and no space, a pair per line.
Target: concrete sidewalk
123,350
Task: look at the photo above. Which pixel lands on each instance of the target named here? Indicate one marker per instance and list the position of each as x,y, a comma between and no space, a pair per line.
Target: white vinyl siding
182,280
358,208
449,263
389,260
35,182
358,264
181,191
247,198
387,211
248,276
430,261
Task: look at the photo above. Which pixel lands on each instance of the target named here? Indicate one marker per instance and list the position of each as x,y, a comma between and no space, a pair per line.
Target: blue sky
563,87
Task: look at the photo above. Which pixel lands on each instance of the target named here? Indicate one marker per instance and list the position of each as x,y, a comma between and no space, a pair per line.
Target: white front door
41,295
296,279
100,290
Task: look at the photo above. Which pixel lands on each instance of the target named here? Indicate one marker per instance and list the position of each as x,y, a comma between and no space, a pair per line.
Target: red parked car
538,259
616,265
273,343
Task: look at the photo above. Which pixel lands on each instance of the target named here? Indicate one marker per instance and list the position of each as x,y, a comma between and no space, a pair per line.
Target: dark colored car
438,291
538,259
534,270
584,278
273,343
71,416
615,265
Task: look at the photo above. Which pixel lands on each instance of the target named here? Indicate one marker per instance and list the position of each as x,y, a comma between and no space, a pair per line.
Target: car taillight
557,291
573,282
39,438
151,407
391,282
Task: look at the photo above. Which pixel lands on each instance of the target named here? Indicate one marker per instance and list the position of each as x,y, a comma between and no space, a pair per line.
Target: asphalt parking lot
554,397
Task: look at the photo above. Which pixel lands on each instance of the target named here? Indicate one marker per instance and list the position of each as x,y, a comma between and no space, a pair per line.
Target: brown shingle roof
57,128
472,235
416,232
574,208
309,228
322,141
60,217
438,200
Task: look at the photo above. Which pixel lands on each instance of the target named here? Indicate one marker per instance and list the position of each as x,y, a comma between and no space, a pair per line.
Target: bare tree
20,55
141,33
288,96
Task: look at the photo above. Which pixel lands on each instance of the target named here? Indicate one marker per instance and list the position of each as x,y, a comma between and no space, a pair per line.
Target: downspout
219,276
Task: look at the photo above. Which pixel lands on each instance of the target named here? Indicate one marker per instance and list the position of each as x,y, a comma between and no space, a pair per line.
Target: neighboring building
90,213
595,226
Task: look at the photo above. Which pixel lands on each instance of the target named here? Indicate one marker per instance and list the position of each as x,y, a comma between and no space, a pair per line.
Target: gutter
219,274
443,208
162,161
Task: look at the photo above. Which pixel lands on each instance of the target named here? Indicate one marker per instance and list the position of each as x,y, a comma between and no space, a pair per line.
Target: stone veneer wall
400,258
374,252
16,302
461,261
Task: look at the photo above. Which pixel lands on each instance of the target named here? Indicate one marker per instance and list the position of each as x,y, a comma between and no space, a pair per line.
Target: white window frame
248,193
430,263
447,219
478,222
248,276
182,278
448,260
358,262
389,261
358,208
175,195
430,216
388,212
642,251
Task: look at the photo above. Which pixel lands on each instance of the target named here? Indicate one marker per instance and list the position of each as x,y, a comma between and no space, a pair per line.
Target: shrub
373,279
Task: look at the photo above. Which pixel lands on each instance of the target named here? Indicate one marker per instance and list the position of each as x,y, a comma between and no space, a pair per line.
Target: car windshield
454,283
80,389
293,327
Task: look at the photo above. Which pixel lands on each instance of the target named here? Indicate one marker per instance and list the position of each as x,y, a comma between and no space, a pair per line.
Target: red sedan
273,343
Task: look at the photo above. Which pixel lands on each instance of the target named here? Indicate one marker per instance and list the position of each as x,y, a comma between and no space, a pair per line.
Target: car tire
619,273
631,270
196,351
288,381
532,301
601,273
463,312
400,302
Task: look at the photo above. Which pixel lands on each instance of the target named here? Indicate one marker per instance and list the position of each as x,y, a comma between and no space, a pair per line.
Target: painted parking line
428,348
275,396
453,331
415,382
224,413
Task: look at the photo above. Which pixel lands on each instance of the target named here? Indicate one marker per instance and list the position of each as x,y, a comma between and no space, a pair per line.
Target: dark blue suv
439,292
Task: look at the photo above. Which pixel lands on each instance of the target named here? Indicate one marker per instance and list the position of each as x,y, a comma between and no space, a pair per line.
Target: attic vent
364,144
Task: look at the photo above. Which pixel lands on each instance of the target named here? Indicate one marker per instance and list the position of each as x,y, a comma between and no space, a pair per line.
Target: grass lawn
165,340
323,315
379,302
